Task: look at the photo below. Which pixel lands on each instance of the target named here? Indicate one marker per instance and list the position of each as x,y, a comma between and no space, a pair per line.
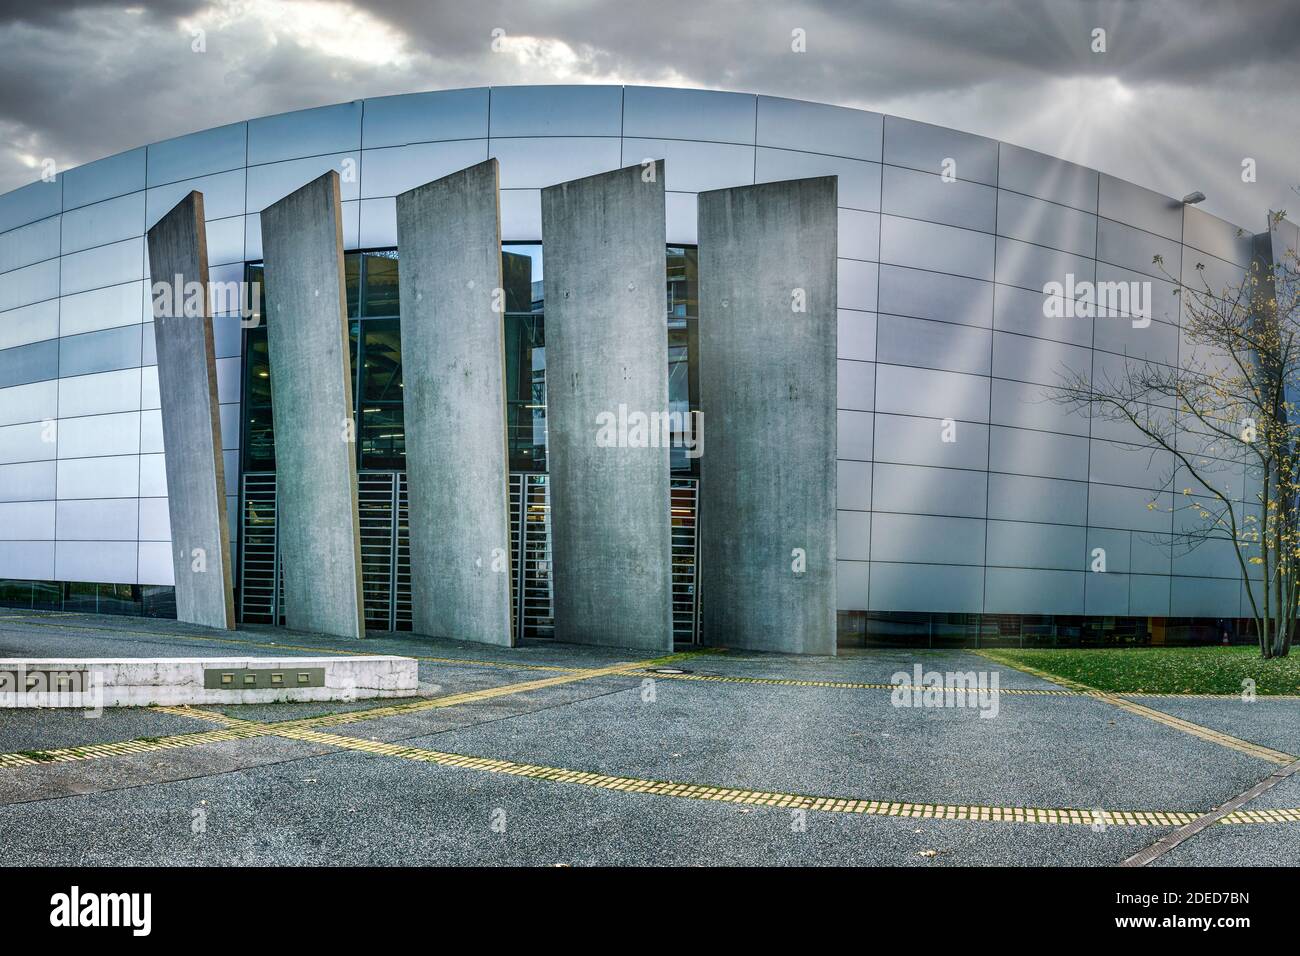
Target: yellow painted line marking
488,693
1160,717
303,730
1196,730
1035,672
630,668
243,730
16,760
849,685
1015,691
1020,691
199,713
793,801
1263,816
122,748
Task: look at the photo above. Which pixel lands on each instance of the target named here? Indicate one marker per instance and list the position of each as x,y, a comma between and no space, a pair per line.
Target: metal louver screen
532,568
402,565
377,508
685,524
386,554
258,567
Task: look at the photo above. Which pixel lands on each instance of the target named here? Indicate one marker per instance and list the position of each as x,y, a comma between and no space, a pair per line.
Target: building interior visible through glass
374,337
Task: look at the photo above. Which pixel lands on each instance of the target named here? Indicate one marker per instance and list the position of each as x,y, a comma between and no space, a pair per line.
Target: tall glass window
375,355
683,348
377,364
525,338
259,434
379,391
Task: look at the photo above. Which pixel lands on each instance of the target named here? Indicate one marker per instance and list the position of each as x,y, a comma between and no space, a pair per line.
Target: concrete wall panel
606,349
767,395
311,388
187,384
449,238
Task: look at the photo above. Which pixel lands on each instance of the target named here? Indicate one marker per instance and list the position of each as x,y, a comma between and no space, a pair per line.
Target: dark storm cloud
900,45
1196,85
50,12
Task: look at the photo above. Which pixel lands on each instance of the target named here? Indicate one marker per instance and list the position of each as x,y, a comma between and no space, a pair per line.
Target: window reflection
352,284
259,438
683,346
525,338
381,431
380,273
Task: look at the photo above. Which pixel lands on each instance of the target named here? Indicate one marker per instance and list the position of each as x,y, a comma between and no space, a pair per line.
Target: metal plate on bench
262,678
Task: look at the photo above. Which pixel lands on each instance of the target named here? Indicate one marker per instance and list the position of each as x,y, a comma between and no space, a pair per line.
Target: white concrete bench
91,683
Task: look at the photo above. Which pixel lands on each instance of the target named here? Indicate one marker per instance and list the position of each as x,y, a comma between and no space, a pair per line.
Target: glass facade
371,280
376,358
525,346
374,335
135,600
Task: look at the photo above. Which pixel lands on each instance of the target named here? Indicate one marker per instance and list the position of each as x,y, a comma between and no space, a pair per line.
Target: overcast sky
1185,91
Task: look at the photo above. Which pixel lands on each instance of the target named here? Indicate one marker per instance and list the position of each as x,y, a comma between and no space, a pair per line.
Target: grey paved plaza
572,749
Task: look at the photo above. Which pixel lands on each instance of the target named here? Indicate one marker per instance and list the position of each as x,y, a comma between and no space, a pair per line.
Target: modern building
967,505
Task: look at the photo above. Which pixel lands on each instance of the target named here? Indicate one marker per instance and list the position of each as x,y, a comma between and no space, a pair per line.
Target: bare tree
1227,407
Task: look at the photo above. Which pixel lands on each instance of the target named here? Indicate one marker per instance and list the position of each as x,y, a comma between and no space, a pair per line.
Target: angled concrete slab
768,397
312,411
453,377
607,356
191,419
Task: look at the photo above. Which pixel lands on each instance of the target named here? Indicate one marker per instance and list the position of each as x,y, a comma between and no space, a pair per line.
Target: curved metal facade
940,318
